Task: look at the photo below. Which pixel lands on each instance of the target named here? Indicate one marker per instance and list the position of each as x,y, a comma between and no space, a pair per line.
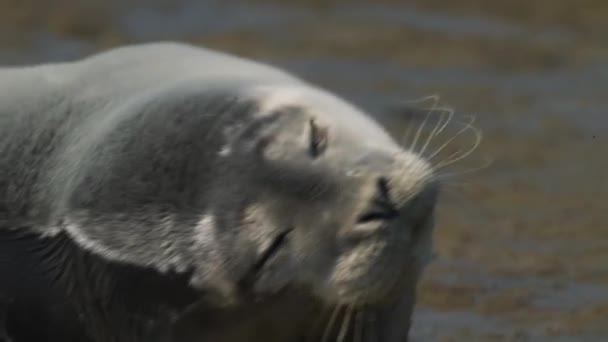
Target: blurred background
522,242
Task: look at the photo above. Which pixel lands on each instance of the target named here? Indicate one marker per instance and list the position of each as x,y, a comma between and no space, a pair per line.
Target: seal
166,192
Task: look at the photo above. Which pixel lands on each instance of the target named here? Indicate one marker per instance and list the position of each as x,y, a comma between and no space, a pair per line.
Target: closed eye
319,137
246,283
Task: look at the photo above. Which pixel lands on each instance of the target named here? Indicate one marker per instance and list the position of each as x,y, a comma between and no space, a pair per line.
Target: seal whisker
359,324
447,175
448,158
318,325
439,127
346,321
451,113
467,126
424,122
459,155
408,131
330,325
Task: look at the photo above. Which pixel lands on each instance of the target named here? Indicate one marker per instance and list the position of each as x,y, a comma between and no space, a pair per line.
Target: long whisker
433,132
408,130
457,156
331,323
452,155
424,122
439,127
467,126
359,324
451,113
346,323
407,133
318,325
447,175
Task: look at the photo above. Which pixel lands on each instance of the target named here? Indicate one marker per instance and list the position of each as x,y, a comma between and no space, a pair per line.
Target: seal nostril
382,184
381,206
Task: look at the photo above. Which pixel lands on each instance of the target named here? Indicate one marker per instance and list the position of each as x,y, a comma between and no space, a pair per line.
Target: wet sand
522,243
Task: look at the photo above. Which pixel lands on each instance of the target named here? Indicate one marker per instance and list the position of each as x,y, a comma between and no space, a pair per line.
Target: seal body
162,192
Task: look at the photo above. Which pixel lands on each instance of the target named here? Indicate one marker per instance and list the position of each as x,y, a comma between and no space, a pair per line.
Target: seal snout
381,207
386,240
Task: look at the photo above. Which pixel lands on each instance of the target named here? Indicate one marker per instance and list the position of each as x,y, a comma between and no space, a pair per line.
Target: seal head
254,193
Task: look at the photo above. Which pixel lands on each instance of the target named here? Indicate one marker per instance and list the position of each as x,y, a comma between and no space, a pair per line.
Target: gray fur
188,161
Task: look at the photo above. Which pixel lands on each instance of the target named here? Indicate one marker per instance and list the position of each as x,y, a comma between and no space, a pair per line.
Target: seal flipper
3,317
32,309
60,292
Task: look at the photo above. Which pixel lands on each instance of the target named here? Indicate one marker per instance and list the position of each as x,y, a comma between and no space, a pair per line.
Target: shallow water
522,244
